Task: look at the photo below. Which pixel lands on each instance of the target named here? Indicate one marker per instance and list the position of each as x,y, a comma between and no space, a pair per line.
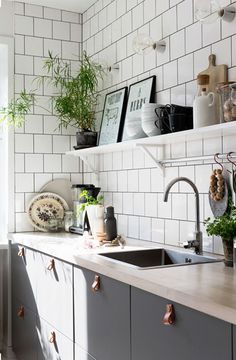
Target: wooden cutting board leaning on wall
217,74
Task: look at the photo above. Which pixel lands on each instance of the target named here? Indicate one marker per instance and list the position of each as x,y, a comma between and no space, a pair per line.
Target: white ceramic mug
150,120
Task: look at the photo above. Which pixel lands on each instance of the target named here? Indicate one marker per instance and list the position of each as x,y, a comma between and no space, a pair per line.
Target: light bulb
143,44
207,11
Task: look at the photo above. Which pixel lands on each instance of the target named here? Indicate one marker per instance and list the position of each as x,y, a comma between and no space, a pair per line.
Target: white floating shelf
145,144
181,136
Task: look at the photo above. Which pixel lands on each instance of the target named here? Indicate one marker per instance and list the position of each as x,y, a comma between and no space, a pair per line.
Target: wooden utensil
217,73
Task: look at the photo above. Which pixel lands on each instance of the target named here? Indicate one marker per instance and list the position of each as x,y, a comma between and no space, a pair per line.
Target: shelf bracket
145,149
88,163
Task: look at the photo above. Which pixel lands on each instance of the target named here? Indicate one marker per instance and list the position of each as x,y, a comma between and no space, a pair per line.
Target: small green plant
75,98
89,200
224,226
17,109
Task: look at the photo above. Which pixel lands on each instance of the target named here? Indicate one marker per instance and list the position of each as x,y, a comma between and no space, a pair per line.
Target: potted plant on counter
95,210
225,227
74,101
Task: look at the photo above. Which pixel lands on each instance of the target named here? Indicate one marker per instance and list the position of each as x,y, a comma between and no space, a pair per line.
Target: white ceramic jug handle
211,94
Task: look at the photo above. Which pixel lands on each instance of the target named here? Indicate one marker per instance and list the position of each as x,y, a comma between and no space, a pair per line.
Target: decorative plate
46,206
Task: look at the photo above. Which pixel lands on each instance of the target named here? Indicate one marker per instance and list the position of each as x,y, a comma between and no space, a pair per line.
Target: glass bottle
68,220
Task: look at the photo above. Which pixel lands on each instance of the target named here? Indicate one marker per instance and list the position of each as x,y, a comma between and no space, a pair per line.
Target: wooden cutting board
217,73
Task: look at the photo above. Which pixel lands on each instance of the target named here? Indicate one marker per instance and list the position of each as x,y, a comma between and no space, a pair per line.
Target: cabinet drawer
80,354
24,333
102,320
52,344
192,336
24,270
55,293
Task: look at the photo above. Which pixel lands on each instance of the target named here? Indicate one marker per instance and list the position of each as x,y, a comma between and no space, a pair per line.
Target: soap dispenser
110,224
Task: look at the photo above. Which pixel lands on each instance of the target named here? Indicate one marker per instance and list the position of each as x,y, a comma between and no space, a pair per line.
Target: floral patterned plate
46,206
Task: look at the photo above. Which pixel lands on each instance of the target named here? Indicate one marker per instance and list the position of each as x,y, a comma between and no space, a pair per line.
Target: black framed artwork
140,93
113,117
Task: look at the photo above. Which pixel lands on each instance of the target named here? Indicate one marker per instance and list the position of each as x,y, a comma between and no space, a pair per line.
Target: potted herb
74,101
95,210
225,227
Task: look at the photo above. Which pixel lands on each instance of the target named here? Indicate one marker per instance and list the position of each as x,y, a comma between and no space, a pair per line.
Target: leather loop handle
52,338
21,252
21,312
96,283
169,317
51,265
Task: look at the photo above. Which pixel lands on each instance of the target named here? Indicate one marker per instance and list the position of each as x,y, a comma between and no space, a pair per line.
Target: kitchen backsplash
129,180
39,150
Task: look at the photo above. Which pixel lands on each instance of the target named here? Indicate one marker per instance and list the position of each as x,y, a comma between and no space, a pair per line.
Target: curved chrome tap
197,242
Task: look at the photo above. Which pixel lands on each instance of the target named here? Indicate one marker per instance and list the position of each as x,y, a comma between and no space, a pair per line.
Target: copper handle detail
21,312
96,283
52,338
51,265
21,252
169,317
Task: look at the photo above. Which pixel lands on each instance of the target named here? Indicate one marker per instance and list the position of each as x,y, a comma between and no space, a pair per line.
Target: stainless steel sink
157,258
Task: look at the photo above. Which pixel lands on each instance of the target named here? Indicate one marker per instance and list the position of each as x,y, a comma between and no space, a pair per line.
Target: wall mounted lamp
208,11
143,44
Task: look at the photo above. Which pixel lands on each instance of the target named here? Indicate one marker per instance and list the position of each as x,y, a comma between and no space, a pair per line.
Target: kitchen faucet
197,242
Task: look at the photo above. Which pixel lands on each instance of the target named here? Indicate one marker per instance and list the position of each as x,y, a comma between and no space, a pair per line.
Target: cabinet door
24,334
55,293
52,344
234,341
24,270
192,336
102,317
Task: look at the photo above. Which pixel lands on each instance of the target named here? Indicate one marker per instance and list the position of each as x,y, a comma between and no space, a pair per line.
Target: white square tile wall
138,198
39,149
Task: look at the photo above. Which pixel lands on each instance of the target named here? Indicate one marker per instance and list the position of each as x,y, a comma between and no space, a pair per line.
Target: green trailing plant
17,110
89,200
75,98
223,226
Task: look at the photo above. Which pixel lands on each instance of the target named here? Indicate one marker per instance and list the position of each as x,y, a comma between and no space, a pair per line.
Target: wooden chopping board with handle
217,73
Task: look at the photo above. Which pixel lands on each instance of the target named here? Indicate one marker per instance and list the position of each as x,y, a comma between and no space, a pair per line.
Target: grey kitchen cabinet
24,272
43,289
24,332
102,316
193,335
234,342
53,345
55,293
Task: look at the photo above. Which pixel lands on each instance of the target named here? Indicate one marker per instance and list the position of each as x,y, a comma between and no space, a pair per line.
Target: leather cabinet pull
51,265
96,284
21,312
169,317
52,338
21,252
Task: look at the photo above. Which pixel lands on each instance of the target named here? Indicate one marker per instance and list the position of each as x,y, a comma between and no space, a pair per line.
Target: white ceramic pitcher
204,110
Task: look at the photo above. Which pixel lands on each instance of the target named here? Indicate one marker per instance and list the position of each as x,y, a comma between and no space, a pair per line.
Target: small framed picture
113,117
139,93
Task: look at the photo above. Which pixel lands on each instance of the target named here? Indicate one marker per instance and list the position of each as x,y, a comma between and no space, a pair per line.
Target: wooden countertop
209,288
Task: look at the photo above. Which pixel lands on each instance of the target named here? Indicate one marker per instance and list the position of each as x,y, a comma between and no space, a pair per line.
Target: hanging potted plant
74,101
225,227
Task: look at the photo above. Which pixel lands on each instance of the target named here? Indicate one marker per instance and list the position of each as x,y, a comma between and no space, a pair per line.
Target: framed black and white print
139,93
113,117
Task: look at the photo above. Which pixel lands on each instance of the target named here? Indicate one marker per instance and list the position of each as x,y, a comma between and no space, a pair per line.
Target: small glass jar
68,220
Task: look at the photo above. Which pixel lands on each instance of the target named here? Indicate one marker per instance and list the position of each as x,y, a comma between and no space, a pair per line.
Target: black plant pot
86,139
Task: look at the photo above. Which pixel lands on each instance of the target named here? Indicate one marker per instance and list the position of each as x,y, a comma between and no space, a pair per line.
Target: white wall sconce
208,11
143,44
